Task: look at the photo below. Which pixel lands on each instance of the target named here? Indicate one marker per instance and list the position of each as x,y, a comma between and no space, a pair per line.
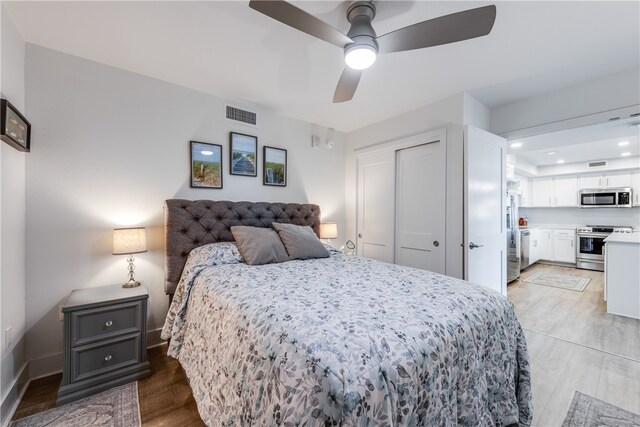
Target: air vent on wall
597,164
243,116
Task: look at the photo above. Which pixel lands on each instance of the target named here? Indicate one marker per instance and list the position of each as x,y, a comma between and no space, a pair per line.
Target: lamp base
131,284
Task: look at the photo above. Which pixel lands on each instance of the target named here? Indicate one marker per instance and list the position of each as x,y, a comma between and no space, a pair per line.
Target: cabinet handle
108,323
572,243
607,181
108,358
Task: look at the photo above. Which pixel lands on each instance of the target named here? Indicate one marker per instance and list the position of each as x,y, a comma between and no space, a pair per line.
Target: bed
335,341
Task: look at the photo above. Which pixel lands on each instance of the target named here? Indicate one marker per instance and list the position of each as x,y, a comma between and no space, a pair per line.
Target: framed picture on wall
15,130
243,155
274,162
206,165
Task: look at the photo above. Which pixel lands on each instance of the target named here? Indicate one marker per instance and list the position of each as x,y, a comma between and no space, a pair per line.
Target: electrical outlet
8,337
60,313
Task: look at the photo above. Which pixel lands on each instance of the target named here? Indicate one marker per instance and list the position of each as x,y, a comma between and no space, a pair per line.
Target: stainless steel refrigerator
513,238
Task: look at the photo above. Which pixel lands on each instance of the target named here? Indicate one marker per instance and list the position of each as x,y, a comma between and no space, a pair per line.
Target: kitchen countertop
633,238
551,226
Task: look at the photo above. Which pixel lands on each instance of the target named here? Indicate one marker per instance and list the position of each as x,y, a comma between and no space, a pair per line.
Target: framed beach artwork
274,161
243,155
206,165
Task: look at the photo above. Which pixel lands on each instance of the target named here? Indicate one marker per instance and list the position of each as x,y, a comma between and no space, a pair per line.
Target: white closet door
420,207
376,206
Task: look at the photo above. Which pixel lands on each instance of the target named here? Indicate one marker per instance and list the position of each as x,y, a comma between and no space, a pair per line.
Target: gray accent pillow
301,242
259,245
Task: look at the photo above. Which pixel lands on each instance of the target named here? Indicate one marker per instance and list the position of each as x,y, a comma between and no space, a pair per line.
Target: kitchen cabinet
545,240
524,191
635,186
566,191
543,193
564,246
551,192
534,246
608,180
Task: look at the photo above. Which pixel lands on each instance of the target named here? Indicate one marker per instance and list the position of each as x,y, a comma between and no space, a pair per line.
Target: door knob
473,245
360,236
436,243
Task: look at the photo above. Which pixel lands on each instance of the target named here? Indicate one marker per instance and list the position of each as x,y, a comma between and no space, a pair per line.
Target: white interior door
420,207
376,206
484,213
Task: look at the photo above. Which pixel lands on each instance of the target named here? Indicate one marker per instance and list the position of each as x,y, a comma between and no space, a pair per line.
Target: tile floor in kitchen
574,344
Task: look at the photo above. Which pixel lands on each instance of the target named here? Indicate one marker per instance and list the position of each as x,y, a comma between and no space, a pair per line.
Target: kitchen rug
564,281
587,411
116,407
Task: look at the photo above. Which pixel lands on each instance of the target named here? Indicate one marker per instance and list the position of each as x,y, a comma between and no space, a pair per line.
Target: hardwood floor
165,397
573,345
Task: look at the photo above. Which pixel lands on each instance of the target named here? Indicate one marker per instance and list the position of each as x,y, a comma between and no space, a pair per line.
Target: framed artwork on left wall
15,130
206,165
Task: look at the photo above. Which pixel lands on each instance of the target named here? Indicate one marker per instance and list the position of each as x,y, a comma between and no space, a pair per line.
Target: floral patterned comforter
345,341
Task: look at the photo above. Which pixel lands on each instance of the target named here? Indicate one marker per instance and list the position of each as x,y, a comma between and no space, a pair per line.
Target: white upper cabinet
608,180
635,186
590,181
543,194
551,192
566,190
612,180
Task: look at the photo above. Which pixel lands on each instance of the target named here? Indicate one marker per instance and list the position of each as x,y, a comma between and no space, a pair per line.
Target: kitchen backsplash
577,216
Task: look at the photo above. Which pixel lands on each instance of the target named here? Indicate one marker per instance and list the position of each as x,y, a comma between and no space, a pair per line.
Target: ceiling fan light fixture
360,57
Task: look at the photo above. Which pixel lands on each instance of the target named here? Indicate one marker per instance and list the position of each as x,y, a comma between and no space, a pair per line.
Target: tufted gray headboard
192,223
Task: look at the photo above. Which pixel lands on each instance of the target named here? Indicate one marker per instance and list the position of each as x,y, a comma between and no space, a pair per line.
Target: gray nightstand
105,340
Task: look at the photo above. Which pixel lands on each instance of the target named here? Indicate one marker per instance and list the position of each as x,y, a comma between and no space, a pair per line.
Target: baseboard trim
18,387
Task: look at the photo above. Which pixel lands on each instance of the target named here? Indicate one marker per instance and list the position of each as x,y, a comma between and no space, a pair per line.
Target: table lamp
328,231
129,241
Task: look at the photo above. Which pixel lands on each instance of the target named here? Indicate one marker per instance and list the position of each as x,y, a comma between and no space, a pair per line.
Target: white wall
109,147
12,221
577,216
448,114
604,94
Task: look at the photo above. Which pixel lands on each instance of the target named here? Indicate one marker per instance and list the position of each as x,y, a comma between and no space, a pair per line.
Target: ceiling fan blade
452,28
347,85
299,19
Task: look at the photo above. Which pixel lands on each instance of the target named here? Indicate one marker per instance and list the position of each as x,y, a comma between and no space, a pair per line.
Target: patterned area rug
572,283
588,411
117,407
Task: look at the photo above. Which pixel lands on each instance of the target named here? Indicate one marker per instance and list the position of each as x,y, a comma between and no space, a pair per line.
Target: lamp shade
129,240
328,230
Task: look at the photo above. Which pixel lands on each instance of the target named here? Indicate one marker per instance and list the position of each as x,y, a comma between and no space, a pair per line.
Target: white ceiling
589,143
227,49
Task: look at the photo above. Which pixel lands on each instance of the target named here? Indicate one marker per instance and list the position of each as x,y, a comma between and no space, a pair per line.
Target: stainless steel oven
591,247
606,198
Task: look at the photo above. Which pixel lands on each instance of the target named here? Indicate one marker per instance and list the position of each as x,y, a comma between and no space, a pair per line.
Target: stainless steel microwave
605,198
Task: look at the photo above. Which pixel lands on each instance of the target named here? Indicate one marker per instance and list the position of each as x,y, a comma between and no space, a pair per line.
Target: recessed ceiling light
551,153
516,145
623,143
207,153
625,154
560,161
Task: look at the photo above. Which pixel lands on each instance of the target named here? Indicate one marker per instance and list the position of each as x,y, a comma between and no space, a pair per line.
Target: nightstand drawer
98,359
100,323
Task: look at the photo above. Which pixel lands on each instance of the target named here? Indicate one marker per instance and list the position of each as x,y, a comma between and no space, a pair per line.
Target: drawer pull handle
109,323
108,358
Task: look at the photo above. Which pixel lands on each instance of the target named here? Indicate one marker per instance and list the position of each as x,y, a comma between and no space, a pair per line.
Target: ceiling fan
361,44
